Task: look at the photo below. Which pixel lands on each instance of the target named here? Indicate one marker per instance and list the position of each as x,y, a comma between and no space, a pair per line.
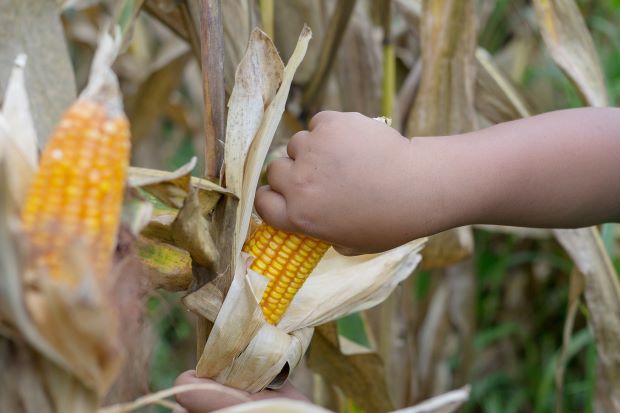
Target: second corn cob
287,260
76,195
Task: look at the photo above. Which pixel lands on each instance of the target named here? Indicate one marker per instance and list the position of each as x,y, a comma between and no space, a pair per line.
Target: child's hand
344,182
205,401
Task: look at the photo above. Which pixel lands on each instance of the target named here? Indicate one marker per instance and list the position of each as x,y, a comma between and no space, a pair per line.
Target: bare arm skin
357,183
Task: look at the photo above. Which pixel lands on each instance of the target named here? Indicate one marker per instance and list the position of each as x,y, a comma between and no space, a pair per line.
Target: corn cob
287,260
76,195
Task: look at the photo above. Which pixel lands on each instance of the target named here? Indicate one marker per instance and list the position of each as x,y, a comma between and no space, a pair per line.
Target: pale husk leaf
444,403
274,406
353,284
238,320
18,139
258,76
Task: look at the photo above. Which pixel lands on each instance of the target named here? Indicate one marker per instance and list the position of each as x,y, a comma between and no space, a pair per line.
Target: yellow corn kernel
75,200
287,260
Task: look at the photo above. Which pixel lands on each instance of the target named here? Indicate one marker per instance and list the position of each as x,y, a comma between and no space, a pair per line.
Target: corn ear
76,195
287,260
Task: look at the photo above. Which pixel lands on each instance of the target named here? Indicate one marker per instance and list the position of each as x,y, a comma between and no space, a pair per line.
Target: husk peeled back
243,350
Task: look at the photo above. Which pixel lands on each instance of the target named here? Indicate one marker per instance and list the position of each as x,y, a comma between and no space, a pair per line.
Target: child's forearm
560,169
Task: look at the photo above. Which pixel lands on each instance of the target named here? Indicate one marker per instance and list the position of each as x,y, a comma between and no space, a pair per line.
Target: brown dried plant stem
212,51
336,27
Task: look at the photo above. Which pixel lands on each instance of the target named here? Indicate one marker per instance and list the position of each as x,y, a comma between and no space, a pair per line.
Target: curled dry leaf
191,231
173,187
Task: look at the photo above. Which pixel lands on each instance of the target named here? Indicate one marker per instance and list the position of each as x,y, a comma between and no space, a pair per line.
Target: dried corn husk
242,349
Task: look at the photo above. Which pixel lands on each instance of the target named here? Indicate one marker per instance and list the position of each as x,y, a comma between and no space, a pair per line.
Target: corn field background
519,315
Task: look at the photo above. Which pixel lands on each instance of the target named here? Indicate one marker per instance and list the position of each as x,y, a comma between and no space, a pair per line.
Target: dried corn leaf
496,97
360,376
290,17
258,75
239,16
191,231
447,248
239,311
49,75
571,46
173,187
445,100
167,266
360,89
602,293
153,95
21,387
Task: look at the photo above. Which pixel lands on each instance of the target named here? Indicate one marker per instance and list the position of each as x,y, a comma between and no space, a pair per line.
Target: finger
319,118
296,144
279,174
271,206
216,396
